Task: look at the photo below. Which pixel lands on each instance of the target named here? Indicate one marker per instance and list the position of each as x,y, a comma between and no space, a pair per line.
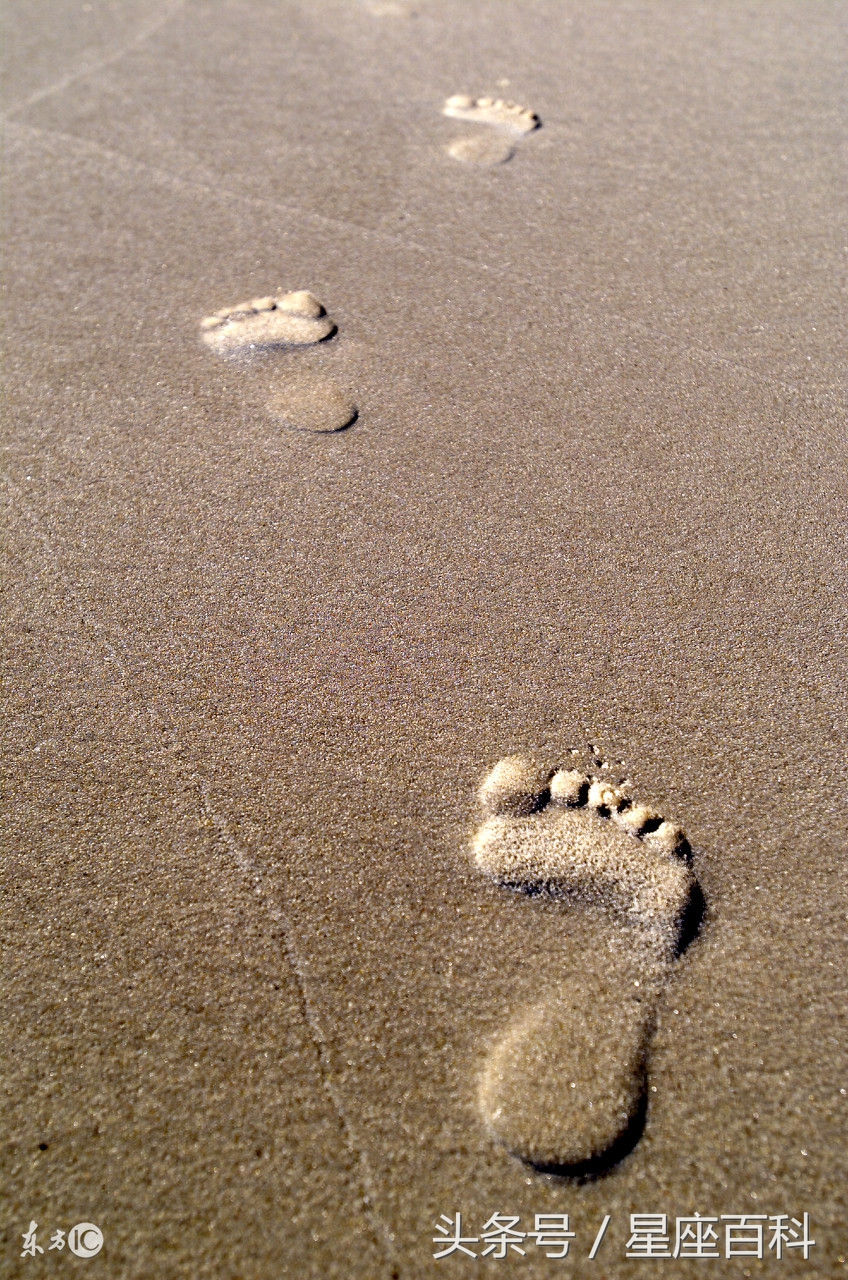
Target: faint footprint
305,400
507,120
389,9
565,1089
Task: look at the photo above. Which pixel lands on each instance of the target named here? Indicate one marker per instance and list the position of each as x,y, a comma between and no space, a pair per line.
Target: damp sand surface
260,992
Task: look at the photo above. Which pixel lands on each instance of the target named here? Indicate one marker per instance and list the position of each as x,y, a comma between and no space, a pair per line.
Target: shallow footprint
507,120
482,149
303,400
499,112
564,1089
309,401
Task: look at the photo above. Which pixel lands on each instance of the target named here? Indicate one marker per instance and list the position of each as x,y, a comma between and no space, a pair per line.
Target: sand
594,494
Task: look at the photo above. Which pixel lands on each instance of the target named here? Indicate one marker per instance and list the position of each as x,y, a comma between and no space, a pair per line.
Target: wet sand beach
511,432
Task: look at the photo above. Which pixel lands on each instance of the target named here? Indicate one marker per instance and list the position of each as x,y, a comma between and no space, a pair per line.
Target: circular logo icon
85,1239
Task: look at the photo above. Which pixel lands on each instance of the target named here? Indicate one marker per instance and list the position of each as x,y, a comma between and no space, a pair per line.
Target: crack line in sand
214,187
247,866
211,186
91,68
251,869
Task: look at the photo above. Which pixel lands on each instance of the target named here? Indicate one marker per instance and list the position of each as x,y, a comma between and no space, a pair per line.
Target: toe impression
517,785
580,837
499,112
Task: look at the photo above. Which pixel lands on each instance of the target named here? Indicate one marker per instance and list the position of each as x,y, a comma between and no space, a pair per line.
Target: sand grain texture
593,494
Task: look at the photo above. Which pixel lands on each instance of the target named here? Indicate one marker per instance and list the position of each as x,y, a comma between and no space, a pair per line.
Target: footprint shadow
693,919
594,1169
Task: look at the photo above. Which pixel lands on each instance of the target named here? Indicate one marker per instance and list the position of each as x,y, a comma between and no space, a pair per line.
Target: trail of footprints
505,122
261,326
565,1087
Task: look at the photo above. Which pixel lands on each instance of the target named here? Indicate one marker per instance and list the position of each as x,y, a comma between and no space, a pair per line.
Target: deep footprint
565,1088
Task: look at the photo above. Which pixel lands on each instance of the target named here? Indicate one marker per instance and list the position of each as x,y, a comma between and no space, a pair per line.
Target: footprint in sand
305,400
506,121
565,1088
